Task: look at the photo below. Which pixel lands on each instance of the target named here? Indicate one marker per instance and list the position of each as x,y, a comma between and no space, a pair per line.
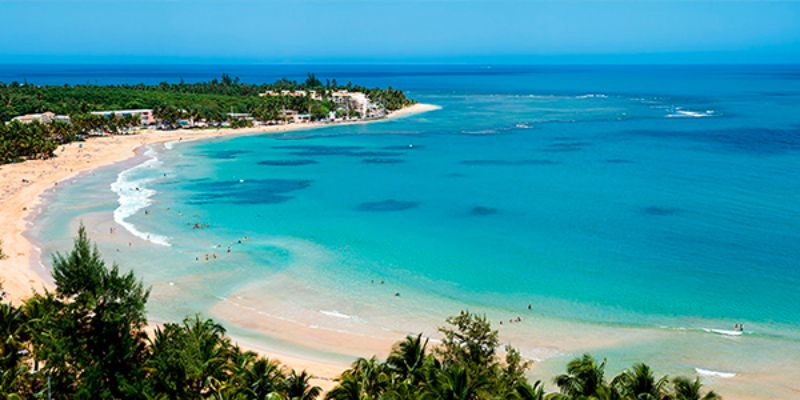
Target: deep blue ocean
634,207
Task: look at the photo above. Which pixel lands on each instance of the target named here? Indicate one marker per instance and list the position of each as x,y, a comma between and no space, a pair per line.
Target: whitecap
718,374
680,113
480,132
724,332
132,200
592,96
336,314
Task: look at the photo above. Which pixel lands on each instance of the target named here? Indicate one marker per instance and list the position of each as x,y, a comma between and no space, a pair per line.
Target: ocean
641,211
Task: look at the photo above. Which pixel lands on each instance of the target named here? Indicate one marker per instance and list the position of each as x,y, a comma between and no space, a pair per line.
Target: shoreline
22,186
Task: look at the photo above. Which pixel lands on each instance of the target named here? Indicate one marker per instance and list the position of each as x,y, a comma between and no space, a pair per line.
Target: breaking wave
133,196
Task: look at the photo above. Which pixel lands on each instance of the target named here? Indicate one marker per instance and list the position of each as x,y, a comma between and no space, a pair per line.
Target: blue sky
394,31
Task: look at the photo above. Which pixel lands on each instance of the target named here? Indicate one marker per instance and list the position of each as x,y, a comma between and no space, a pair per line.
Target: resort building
296,93
353,101
145,114
244,116
43,118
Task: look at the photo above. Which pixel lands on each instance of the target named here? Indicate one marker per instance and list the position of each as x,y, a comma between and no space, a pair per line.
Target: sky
395,31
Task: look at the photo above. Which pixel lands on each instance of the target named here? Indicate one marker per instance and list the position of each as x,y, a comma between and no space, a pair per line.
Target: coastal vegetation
220,102
88,339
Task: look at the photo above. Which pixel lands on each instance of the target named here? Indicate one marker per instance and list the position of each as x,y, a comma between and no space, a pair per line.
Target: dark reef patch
563,147
286,163
750,140
618,161
315,147
375,154
387,205
347,151
253,191
318,150
509,162
224,154
660,211
382,160
481,211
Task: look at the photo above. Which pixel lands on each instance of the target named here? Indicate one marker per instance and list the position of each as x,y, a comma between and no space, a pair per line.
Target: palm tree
263,377
13,349
408,357
403,390
526,391
189,360
639,383
686,389
454,382
348,388
298,387
371,373
584,377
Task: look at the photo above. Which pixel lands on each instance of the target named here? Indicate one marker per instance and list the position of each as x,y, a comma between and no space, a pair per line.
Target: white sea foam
592,96
680,113
336,314
480,132
719,374
724,332
132,200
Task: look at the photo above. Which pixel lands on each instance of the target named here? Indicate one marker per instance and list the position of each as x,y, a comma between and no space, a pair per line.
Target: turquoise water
664,200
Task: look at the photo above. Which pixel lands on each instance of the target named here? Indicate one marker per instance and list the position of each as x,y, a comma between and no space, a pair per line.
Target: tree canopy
172,103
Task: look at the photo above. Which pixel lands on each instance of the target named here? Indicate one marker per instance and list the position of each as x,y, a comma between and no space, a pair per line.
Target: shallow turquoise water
625,197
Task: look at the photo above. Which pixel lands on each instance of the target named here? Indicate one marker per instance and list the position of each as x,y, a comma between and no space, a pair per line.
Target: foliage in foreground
88,340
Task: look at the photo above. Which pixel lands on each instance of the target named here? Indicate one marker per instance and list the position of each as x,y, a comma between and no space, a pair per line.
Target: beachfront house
145,114
289,116
355,102
240,116
42,118
313,94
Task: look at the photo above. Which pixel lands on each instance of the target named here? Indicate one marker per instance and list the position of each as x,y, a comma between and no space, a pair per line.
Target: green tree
639,383
687,389
90,331
299,387
189,360
584,378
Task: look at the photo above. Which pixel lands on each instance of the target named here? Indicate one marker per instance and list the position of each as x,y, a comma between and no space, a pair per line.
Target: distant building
289,115
43,118
297,93
245,116
145,114
354,101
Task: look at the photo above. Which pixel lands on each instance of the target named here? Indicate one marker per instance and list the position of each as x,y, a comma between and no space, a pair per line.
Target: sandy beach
22,184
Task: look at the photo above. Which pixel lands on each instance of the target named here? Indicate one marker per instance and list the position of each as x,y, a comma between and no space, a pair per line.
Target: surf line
133,196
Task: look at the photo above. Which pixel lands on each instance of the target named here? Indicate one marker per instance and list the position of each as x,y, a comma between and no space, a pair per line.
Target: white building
145,114
43,118
354,101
